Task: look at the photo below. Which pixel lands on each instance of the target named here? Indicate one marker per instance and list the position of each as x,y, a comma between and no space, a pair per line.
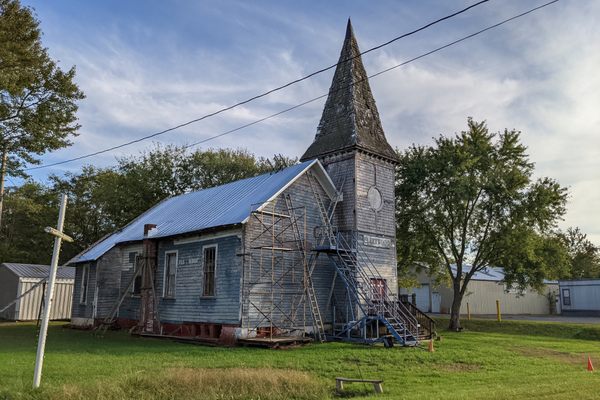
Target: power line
373,75
264,94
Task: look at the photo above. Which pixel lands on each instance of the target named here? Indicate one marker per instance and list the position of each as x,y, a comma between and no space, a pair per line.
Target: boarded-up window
170,272
137,281
210,265
379,288
85,277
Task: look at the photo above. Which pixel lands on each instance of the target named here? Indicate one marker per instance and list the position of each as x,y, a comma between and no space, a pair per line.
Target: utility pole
59,236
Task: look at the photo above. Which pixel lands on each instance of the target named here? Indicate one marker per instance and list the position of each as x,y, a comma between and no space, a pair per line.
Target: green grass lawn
511,360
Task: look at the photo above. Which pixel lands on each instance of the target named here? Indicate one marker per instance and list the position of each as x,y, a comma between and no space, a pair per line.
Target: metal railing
426,323
385,304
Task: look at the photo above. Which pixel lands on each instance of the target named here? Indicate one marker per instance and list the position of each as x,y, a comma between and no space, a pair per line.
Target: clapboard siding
288,287
109,281
84,309
375,172
342,170
189,305
130,307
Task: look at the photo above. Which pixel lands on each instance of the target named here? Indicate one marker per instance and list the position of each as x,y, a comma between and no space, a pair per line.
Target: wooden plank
377,383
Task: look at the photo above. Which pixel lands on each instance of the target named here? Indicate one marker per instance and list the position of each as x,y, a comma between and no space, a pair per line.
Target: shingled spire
350,119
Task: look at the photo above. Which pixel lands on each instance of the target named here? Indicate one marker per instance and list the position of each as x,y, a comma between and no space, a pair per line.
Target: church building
304,253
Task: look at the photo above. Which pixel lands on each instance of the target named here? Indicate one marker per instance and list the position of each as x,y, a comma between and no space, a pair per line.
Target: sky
149,65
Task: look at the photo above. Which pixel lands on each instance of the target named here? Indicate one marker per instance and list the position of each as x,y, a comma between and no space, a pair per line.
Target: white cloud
537,74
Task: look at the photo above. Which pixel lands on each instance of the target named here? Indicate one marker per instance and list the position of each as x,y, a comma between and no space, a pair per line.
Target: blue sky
149,65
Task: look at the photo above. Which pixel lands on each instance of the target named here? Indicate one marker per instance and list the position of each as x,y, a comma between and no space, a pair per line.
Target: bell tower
352,146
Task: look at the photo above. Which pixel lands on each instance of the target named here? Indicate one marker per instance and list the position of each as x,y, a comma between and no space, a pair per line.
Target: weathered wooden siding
342,170
189,305
108,281
84,309
288,287
377,228
130,307
354,173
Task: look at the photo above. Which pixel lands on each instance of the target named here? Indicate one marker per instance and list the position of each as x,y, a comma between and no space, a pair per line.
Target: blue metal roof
223,205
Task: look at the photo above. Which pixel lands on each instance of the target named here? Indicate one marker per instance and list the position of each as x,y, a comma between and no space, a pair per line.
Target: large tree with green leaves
470,202
583,254
37,98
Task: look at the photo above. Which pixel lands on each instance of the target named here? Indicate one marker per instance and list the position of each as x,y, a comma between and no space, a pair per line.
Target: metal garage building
17,279
484,289
580,297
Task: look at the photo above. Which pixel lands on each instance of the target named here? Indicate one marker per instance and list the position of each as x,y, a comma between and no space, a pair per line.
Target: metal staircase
371,306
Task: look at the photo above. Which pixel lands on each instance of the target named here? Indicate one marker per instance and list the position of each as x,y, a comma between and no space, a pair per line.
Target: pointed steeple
350,118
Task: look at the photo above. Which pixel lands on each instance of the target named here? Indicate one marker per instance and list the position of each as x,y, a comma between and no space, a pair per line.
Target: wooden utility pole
59,236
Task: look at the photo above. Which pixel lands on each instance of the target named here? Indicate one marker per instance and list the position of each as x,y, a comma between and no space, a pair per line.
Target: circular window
375,198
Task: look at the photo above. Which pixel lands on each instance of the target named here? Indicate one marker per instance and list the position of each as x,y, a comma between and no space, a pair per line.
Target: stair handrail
430,322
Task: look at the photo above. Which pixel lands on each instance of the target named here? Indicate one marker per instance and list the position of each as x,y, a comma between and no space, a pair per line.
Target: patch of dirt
458,367
562,356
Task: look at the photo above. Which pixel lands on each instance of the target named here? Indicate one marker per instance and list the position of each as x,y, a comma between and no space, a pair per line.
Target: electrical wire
212,114
308,101
371,76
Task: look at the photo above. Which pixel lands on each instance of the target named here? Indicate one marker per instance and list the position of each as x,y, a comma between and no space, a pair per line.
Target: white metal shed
17,279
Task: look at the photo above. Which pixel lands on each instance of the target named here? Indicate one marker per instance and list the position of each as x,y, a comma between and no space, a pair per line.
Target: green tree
37,98
469,201
29,208
584,256
88,216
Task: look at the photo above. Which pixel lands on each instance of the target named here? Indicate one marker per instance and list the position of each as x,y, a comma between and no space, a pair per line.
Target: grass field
511,360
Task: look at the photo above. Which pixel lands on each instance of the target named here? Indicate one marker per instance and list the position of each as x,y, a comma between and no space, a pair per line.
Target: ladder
318,329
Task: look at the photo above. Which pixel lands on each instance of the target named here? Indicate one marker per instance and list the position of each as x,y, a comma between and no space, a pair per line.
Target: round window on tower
375,198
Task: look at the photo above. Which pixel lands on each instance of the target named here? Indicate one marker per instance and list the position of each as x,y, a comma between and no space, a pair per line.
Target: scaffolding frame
276,281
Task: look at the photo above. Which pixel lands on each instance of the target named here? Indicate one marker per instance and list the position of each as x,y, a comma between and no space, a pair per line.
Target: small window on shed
210,266
85,277
566,295
132,257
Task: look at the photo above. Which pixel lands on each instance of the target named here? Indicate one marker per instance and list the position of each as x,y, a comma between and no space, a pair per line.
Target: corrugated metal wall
29,306
482,296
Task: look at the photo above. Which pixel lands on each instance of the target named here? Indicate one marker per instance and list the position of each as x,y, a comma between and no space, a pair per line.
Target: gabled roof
225,205
39,271
350,118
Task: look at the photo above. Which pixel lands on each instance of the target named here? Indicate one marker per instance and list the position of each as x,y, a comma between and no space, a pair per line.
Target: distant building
483,290
580,297
17,279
